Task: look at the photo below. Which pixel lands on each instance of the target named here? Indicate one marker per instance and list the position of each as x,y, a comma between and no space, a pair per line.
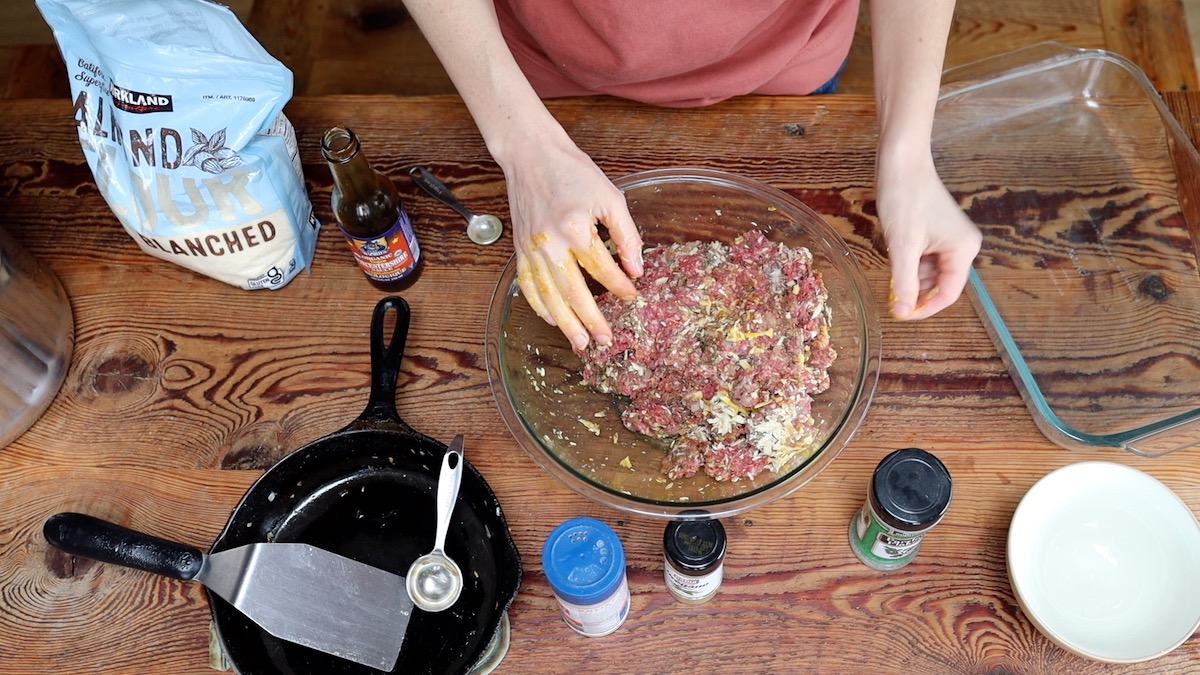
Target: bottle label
878,545
390,256
689,588
597,619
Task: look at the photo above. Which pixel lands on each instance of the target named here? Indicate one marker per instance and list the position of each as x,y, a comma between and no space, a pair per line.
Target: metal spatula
295,592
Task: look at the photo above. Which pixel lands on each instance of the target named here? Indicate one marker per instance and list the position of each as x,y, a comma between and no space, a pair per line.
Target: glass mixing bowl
576,434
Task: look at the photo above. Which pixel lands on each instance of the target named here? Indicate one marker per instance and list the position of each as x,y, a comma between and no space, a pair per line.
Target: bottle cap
584,561
910,490
694,544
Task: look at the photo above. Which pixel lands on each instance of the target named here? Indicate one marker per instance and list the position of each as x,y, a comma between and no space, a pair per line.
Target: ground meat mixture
720,353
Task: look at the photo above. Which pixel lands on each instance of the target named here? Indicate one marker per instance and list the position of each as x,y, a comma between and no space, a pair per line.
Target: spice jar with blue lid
909,494
585,565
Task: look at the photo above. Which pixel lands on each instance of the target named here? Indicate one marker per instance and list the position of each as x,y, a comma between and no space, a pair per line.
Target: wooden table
182,389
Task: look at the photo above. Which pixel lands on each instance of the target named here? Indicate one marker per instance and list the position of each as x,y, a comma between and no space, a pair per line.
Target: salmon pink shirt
678,52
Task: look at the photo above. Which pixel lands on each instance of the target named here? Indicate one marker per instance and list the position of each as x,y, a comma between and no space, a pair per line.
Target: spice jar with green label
909,493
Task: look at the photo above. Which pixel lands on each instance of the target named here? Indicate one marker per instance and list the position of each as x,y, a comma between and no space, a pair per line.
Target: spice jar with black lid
910,492
694,550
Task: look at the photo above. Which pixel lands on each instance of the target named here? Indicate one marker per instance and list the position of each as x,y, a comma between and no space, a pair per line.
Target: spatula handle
89,537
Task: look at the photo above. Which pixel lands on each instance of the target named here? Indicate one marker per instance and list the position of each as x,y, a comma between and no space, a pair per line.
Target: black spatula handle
90,537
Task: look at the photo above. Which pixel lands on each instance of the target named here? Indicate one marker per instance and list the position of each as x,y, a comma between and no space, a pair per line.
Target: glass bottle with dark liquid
370,214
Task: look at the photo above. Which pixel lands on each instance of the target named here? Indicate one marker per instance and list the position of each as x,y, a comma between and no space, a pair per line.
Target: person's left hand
931,242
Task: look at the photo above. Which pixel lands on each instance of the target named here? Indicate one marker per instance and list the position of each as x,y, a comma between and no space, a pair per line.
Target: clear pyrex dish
575,433
1078,176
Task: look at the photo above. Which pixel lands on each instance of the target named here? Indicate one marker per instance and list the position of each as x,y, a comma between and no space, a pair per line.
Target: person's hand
931,242
556,193
558,196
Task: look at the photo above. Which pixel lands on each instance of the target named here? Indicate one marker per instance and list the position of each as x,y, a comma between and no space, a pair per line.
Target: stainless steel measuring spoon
434,581
482,228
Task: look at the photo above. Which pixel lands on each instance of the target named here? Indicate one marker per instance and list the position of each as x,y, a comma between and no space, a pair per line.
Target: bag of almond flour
179,112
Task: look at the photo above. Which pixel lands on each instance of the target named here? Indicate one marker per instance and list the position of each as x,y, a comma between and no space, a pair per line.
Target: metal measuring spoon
482,229
434,581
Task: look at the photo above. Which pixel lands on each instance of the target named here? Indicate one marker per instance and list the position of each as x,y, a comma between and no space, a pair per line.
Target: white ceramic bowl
1105,560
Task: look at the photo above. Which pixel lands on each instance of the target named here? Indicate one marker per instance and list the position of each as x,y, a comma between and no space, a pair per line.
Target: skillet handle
385,360
89,537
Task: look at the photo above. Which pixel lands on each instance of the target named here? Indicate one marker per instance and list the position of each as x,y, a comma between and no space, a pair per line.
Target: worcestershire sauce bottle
370,214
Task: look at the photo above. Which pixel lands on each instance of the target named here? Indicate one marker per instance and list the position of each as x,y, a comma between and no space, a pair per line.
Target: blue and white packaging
179,111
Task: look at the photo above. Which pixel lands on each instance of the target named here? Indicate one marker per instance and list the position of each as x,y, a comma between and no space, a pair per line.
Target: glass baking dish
1084,186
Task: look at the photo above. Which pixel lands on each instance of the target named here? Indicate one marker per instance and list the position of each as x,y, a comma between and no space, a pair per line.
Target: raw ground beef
720,353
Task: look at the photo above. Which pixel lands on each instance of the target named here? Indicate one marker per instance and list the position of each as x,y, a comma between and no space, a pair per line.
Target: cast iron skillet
367,492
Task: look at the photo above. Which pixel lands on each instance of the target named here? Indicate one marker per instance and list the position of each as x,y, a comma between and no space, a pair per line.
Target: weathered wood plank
1154,35
288,30
1186,110
984,28
35,71
374,47
21,24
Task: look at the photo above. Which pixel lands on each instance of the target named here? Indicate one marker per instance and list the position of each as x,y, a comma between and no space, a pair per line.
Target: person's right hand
931,241
556,193
557,197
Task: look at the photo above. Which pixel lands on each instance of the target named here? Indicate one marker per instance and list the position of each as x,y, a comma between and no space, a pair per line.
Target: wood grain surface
182,389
